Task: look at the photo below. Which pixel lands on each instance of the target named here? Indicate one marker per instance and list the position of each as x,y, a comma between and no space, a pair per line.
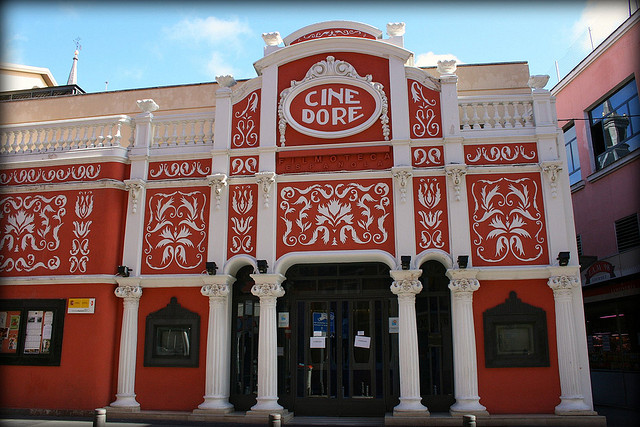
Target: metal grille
579,243
627,232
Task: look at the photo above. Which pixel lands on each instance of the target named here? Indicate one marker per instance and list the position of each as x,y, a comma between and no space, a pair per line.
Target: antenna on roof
78,45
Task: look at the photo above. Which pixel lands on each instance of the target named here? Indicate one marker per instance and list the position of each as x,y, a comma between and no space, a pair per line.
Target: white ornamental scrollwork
30,225
31,176
425,113
245,134
176,227
242,204
79,253
456,173
552,169
504,153
134,187
218,182
429,197
427,156
128,292
326,213
332,71
402,177
511,217
265,181
240,165
175,169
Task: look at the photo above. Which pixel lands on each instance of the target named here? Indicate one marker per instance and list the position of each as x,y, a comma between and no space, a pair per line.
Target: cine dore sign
332,101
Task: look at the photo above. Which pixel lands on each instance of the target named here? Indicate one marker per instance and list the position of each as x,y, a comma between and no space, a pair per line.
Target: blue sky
146,44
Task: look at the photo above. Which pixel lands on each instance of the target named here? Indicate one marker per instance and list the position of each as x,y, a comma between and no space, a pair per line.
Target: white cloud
12,50
603,17
218,66
431,59
210,30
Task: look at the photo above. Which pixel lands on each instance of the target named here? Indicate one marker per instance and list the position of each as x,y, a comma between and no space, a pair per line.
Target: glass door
340,361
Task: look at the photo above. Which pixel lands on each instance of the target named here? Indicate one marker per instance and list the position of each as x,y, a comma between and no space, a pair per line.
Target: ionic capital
562,285
128,292
215,290
464,285
406,282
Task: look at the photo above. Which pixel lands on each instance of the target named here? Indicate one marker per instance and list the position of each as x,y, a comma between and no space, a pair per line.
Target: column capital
267,285
462,273
464,285
563,285
131,290
215,290
406,282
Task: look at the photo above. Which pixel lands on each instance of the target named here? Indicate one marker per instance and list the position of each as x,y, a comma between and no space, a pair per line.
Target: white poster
362,341
317,342
283,319
394,327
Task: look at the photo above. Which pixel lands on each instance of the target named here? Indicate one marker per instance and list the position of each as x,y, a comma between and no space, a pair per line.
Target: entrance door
343,359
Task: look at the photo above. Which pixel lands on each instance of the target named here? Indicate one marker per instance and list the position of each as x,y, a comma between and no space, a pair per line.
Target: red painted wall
517,390
84,378
171,389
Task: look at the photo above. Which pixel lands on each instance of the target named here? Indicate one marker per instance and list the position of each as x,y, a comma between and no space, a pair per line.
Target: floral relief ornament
30,231
456,173
79,254
507,220
265,181
218,182
425,114
245,132
324,213
176,230
402,177
242,220
429,197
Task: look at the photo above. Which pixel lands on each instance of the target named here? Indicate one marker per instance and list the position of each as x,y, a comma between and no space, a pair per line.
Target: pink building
599,101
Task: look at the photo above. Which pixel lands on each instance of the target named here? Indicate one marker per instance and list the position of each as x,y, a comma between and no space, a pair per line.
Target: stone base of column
470,406
410,407
267,404
214,405
125,403
573,406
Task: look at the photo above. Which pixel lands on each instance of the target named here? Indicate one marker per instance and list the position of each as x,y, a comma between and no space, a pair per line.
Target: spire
73,77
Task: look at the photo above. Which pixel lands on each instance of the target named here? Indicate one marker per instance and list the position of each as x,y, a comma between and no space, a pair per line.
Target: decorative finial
447,66
538,81
395,29
272,39
226,81
147,105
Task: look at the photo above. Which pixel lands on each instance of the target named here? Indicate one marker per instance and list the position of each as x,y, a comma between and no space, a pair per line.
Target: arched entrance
433,315
339,357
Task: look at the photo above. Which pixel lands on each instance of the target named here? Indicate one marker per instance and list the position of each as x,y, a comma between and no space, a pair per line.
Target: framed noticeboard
515,335
31,331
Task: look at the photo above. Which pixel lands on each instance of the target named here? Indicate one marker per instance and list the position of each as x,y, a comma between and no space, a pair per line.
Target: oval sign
334,109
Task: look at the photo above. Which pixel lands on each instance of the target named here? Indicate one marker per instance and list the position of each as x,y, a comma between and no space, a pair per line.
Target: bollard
99,417
274,420
468,421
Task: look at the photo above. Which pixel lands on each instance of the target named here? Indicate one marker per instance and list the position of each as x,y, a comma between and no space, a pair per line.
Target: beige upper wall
19,77
481,79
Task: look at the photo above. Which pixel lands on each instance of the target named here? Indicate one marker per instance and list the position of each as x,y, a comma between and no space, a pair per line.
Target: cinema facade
355,236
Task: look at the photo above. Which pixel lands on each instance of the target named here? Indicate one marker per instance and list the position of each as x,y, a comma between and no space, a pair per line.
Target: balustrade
64,135
182,130
495,112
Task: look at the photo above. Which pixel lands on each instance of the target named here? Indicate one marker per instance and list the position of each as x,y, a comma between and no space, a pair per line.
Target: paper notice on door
362,341
317,342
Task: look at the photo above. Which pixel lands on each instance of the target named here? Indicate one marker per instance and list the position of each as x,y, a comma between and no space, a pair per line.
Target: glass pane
362,331
623,95
172,341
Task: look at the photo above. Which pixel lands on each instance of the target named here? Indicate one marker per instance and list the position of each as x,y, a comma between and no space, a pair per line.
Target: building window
615,125
31,331
515,335
172,337
579,244
627,232
573,161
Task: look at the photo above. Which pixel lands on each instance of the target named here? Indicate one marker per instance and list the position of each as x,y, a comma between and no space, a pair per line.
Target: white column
571,398
216,398
403,210
406,285
465,368
268,288
131,292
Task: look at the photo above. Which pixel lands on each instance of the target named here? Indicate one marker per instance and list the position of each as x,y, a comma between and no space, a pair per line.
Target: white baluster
507,116
528,115
465,117
475,120
118,135
485,117
496,115
516,115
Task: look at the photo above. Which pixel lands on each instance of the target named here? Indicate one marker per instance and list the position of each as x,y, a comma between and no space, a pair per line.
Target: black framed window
172,337
571,147
515,335
31,331
615,125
